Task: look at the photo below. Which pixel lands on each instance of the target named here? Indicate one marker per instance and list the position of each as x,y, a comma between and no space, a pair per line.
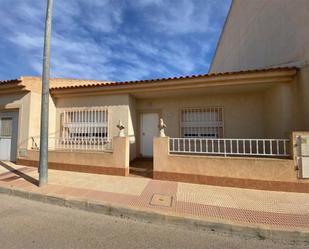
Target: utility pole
43,167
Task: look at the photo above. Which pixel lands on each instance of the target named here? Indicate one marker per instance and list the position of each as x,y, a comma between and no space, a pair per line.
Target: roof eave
272,76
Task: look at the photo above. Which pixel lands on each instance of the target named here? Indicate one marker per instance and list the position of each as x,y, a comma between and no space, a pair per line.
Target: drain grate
161,200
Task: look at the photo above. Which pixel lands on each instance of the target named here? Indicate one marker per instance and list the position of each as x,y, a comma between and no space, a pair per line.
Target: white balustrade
230,146
75,143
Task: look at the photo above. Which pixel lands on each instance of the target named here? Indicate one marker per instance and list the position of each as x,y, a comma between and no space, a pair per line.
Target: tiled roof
62,82
5,82
106,83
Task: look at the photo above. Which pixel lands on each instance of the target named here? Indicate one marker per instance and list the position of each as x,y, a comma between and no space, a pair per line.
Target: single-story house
241,121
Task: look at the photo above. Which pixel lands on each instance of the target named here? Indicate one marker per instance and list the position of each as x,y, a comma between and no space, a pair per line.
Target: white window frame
209,124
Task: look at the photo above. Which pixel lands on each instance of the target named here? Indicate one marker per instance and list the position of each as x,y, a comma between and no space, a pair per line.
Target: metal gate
8,136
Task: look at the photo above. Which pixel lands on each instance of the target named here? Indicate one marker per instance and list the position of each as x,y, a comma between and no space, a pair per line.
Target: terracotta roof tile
14,81
62,82
65,83
106,83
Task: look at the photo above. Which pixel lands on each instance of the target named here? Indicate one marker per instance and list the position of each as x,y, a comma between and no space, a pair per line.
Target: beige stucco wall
120,107
246,115
287,105
265,113
116,104
290,103
28,105
243,113
262,34
18,102
245,168
278,111
303,94
132,127
118,158
35,117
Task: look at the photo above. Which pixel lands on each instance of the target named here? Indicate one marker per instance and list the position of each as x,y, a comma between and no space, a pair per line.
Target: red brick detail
242,215
78,168
233,182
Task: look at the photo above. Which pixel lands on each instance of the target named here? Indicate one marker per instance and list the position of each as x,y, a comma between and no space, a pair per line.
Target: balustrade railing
230,146
75,143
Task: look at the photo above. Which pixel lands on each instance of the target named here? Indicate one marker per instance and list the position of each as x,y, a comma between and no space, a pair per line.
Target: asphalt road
29,224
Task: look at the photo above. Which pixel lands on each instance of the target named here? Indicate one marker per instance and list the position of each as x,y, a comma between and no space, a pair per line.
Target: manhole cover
161,200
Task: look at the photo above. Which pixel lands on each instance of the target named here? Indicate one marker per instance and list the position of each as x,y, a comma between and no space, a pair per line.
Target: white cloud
102,16
91,39
180,17
143,3
27,41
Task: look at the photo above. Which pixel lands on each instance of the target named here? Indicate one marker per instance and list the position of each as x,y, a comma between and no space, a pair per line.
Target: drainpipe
43,166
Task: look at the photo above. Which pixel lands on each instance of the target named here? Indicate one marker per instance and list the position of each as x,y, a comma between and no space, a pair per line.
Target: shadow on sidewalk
20,174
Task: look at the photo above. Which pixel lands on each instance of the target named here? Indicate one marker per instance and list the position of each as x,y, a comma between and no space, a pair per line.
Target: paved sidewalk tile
278,209
258,200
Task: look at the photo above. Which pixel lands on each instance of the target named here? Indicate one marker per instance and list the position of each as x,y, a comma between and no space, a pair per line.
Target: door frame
138,134
14,114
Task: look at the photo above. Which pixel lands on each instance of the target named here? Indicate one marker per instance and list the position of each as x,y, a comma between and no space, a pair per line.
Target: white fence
75,143
230,147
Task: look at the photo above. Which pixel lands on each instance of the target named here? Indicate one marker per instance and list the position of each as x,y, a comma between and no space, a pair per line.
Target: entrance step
141,168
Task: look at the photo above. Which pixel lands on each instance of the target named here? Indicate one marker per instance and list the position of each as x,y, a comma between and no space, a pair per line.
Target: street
30,224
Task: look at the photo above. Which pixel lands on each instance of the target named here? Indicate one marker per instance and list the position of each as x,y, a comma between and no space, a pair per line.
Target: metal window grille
6,127
202,122
84,128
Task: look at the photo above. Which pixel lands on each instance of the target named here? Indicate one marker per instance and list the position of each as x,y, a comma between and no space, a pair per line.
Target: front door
149,129
8,136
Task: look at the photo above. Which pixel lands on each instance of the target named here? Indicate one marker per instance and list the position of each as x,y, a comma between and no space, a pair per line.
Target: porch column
160,154
121,152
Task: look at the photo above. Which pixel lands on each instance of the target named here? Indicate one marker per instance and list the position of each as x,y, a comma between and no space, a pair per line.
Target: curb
257,231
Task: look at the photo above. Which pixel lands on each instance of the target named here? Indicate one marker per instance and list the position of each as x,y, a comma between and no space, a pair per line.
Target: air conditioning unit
302,153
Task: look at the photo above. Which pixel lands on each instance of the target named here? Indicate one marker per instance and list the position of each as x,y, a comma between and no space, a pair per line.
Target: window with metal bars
84,124
6,127
204,122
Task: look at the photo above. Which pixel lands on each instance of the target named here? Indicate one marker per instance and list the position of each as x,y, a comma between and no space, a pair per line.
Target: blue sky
114,40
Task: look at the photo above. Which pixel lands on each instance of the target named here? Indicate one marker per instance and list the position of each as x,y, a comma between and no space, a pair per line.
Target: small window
6,127
202,122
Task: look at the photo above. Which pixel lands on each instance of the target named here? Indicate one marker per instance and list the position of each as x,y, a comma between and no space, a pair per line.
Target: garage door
8,135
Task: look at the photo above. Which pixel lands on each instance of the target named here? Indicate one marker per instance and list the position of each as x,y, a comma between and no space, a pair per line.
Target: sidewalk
253,208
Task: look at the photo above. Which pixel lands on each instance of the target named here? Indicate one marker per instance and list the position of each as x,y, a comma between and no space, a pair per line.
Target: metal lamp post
43,166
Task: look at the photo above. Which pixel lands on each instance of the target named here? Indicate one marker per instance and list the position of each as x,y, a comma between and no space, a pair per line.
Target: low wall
111,163
247,172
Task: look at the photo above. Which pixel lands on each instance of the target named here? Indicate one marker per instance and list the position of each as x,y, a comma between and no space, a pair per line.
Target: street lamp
43,166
